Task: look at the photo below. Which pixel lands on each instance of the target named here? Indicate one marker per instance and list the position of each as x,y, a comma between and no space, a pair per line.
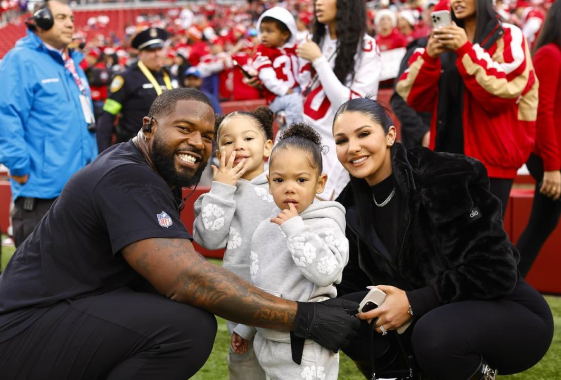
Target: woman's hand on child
285,214
451,37
239,344
393,312
228,173
308,50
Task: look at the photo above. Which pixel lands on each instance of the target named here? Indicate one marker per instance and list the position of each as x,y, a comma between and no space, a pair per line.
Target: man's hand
21,179
393,312
285,215
331,323
239,344
226,172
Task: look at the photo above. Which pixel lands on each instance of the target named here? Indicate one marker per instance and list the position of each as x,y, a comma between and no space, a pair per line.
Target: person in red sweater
545,161
387,36
478,80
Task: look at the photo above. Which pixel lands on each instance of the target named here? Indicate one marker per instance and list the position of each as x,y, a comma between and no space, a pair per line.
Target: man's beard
164,160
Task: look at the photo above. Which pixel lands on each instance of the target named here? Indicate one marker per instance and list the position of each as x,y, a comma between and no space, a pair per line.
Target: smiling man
113,287
46,128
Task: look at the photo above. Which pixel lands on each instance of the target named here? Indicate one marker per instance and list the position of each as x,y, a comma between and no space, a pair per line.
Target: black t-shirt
75,250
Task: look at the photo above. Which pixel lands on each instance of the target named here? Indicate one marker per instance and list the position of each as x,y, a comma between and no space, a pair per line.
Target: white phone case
377,297
440,19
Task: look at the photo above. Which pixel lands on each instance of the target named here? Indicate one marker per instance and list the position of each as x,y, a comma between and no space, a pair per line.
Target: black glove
331,324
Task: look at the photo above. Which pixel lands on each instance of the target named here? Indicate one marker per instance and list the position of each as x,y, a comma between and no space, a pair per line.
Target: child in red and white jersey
277,64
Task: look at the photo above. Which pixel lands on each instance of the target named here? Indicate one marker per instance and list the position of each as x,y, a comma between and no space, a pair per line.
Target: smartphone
244,71
373,299
440,19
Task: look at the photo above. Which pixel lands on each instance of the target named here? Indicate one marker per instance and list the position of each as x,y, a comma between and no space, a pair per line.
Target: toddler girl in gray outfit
298,254
238,200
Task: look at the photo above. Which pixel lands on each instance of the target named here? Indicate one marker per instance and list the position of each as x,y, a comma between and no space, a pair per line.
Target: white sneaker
8,242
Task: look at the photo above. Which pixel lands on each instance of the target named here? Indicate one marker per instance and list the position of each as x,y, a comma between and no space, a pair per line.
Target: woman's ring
383,330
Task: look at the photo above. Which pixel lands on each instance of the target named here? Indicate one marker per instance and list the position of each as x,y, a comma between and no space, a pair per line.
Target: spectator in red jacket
387,36
477,79
545,161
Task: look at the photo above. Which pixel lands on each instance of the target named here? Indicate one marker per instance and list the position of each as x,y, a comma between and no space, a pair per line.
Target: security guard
132,92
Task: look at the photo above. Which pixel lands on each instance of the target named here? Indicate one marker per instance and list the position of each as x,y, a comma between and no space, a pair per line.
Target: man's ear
322,180
268,148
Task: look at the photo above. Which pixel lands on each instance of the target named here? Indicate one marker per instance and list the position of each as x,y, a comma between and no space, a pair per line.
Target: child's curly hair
302,136
263,115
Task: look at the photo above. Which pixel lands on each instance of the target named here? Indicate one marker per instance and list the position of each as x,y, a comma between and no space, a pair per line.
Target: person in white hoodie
298,254
277,64
238,200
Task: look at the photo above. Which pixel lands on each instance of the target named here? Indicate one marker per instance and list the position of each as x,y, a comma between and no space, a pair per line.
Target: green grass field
216,368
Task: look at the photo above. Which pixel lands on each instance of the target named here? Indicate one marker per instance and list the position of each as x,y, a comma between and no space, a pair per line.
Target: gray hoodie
228,215
301,260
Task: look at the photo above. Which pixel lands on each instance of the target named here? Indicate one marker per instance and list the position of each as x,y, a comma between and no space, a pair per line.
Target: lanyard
69,65
152,80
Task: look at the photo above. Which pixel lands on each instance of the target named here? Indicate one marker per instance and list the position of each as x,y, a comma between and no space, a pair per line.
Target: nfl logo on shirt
164,219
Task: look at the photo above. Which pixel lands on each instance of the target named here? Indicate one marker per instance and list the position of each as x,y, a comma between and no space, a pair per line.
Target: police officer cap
151,38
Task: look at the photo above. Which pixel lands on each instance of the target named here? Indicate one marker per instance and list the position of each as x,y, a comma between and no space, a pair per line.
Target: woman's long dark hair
361,190
551,31
350,30
484,14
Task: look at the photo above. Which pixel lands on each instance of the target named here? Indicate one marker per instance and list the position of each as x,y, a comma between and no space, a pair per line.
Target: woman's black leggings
511,335
543,220
500,188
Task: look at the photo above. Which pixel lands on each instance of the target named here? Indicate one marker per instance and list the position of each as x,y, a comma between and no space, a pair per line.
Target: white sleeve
269,78
213,215
367,74
320,254
246,332
213,66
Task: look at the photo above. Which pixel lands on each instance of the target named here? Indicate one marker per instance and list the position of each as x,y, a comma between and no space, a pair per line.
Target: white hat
283,16
383,13
409,16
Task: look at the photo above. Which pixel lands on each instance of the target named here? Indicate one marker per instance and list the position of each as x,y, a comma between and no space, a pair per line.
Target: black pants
117,336
543,220
25,221
500,188
512,335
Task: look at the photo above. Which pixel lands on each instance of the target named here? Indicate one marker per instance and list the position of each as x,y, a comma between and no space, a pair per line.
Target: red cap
522,4
94,53
443,5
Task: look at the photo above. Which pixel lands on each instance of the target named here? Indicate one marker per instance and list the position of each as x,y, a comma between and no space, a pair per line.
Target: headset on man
42,18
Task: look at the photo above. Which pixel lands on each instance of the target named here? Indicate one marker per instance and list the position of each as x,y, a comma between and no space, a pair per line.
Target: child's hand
286,214
228,173
239,344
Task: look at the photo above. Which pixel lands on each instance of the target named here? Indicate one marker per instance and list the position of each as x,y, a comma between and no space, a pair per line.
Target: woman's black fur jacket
451,245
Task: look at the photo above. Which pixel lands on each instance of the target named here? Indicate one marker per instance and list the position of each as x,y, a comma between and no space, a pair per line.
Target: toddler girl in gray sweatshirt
298,254
238,200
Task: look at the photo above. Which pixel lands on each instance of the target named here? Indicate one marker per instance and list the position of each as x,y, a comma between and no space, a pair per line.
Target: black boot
484,372
365,368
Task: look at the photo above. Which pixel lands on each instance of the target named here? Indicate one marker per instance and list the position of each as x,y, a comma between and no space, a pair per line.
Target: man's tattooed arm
174,268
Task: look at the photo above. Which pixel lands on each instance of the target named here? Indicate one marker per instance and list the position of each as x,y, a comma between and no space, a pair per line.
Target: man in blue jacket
47,125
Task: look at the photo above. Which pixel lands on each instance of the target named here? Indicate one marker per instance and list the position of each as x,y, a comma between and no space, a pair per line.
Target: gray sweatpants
246,366
275,358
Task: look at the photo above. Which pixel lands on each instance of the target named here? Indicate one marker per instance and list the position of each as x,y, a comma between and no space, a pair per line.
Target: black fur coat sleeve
472,253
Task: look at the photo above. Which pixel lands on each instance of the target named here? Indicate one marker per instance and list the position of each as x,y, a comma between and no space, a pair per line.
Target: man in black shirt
90,294
132,92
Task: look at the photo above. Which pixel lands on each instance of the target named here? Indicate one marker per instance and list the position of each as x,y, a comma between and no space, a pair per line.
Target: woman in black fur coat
425,229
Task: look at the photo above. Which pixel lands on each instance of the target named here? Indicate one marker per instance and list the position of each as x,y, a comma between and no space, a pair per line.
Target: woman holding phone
545,161
423,227
477,78
340,62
